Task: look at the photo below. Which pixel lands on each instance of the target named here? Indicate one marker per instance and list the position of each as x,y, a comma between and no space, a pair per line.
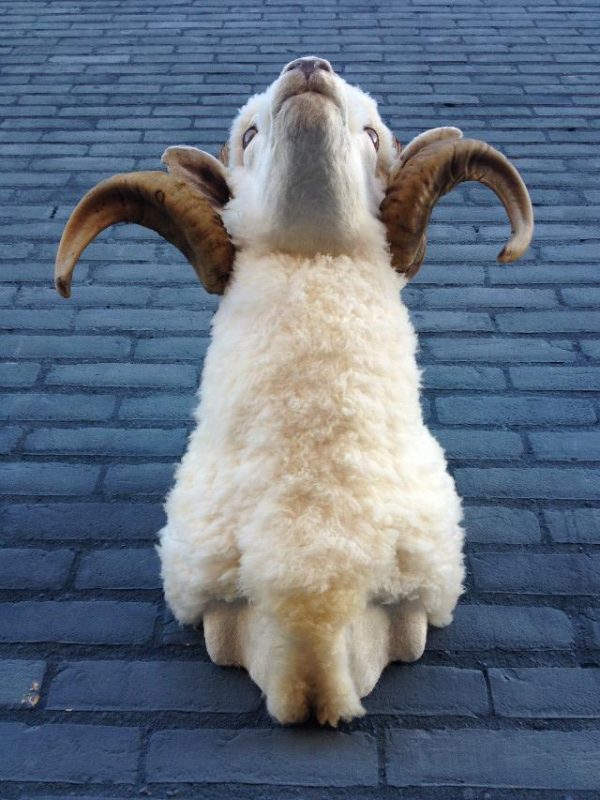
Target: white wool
310,460
310,470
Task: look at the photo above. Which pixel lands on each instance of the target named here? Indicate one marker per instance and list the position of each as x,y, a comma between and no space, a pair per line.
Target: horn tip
63,286
515,248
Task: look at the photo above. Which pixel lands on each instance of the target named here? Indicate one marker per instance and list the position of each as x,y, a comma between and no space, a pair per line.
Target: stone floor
103,696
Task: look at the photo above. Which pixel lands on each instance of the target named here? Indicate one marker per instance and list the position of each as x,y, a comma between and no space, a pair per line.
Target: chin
309,113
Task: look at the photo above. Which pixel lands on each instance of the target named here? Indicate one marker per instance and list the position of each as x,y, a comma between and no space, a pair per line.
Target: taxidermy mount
313,525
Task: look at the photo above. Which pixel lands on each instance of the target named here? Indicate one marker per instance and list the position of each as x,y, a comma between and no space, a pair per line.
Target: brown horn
433,171
157,201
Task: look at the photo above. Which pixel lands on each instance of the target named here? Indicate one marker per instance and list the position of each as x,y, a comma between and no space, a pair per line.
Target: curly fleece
311,487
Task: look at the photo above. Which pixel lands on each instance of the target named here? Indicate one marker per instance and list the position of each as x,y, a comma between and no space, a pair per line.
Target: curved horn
431,172
157,201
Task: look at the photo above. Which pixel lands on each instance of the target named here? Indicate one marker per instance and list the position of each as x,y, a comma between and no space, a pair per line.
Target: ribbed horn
157,201
432,172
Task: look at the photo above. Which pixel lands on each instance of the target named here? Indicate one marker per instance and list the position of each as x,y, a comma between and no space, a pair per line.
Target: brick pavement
102,695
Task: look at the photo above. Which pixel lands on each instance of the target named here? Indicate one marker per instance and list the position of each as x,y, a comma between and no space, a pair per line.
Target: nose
309,65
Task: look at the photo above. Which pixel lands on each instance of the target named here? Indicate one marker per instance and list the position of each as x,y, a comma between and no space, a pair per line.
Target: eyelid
373,136
245,140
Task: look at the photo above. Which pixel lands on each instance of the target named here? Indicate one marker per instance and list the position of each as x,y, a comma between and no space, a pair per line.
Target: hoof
288,704
223,624
408,633
339,708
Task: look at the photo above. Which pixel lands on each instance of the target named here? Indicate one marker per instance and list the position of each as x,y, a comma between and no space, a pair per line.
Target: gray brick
177,348
48,478
169,375
18,374
580,379
443,276
529,759
56,406
272,757
20,683
106,441
451,321
9,438
158,406
491,409
546,692
87,162
30,568
144,319
149,123
30,272
7,295
591,348
68,753
547,273
491,524
497,349
27,319
87,521
23,229
563,252
83,137
173,633
26,178
536,573
562,446
477,253
480,627
193,295
86,295
574,525
589,296
590,620
125,568
133,273
553,484
77,622
190,686
426,690
480,444
549,321
79,347
437,376
128,479
484,297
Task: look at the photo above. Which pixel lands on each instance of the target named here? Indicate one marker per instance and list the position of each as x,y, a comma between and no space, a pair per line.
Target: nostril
309,65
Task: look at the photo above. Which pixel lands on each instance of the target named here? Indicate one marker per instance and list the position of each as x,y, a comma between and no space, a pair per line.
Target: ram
313,524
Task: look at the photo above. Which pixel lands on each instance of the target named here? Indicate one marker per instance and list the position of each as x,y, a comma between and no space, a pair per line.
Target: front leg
239,634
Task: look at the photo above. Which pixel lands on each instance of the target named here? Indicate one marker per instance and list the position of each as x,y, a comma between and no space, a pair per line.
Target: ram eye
373,136
249,134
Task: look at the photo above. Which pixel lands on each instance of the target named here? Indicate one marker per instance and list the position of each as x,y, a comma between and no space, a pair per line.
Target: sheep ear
224,154
427,138
201,171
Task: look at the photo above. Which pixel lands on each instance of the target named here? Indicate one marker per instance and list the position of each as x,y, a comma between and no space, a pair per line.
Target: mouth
308,91
294,86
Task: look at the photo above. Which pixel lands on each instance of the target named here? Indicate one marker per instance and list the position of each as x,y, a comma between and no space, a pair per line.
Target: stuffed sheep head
309,168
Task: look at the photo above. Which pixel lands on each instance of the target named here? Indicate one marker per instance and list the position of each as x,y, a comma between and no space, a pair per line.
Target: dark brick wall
102,694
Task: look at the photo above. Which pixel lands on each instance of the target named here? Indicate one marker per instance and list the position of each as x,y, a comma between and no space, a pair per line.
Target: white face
308,162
